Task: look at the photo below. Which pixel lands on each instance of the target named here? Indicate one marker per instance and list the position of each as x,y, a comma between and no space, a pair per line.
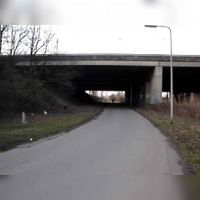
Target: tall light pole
171,70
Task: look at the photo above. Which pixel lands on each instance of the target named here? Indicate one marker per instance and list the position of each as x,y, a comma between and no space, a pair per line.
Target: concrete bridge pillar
146,91
154,86
142,93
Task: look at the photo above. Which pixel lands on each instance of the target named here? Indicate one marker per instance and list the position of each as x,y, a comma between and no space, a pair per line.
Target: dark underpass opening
186,80
107,84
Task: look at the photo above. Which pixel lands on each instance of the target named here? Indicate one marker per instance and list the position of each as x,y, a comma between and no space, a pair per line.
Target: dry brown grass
185,131
188,107
184,106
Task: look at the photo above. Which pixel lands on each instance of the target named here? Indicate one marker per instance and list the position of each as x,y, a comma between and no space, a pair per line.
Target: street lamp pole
171,70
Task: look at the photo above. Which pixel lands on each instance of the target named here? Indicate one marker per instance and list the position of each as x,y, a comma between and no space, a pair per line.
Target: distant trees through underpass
107,96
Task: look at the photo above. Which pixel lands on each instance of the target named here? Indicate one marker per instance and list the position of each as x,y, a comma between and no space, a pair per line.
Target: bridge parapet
104,57
105,60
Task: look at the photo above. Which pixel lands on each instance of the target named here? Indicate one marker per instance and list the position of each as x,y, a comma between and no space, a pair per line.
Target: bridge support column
147,91
154,87
142,93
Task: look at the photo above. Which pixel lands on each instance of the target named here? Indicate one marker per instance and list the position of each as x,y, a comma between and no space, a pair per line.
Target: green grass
13,134
184,132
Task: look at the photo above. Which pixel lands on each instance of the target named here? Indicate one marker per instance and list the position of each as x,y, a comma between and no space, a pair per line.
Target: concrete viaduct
143,77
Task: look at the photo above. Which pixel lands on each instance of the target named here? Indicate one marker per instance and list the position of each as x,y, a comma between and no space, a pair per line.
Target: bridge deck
107,57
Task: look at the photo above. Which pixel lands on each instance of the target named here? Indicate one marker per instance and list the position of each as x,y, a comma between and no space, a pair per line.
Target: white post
23,118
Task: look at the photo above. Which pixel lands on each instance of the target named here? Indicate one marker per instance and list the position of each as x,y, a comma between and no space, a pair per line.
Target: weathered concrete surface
120,155
105,59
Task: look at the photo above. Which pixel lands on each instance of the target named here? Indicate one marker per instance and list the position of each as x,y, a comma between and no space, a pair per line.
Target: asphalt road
118,156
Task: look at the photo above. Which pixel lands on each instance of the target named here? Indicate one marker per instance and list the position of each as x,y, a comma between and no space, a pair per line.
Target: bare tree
3,30
48,37
39,39
94,93
57,46
31,39
17,36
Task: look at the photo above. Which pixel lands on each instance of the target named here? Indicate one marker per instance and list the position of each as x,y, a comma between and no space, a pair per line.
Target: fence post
23,118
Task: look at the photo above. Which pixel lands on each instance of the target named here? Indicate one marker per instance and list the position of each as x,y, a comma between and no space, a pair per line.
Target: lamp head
150,26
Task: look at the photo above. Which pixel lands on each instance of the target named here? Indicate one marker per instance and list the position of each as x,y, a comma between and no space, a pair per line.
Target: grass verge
184,132
39,126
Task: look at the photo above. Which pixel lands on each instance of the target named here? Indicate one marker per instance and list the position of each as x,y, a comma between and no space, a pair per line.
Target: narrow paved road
118,156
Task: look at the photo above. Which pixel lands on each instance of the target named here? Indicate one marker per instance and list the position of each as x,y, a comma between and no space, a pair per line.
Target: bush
21,93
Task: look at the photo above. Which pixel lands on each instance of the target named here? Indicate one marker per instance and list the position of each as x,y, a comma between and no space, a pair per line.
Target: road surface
117,156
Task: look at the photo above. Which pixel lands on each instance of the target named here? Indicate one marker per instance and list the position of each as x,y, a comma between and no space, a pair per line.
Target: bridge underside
142,84
138,82
186,79
143,77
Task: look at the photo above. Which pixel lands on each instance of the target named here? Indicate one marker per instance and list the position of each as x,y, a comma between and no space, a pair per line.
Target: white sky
114,26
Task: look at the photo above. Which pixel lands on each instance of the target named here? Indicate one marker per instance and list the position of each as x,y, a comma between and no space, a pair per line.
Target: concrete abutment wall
155,86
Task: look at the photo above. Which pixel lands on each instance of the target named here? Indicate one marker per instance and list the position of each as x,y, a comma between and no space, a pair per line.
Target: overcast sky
113,26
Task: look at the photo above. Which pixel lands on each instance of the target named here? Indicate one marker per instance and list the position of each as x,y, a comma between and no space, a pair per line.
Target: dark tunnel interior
114,78
186,79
